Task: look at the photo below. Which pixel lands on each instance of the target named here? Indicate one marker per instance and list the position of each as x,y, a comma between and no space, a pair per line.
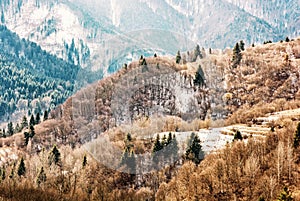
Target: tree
174,148
242,45
31,131
158,146
31,121
237,56
287,39
197,52
238,135
194,151
155,55
128,157
37,118
41,178
199,77
45,115
21,169
285,195
10,129
54,156
84,161
18,128
24,123
26,137
297,137
178,57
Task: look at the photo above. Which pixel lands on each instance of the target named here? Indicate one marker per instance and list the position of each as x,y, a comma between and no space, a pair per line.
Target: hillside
33,80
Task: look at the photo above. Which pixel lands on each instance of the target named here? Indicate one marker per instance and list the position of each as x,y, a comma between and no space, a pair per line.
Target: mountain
105,34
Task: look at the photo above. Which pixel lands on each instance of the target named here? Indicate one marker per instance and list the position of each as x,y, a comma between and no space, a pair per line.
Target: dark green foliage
18,128
253,45
26,137
261,199
199,77
238,135
29,73
41,178
194,151
84,161
197,52
178,57
285,195
32,121
21,169
37,118
24,123
287,39
46,115
242,45
237,56
10,129
155,55
54,156
297,137
210,51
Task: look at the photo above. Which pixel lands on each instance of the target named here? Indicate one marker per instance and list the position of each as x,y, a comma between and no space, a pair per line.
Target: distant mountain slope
83,32
31,78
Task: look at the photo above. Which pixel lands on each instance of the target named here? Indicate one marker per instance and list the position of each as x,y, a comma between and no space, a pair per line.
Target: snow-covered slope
98,33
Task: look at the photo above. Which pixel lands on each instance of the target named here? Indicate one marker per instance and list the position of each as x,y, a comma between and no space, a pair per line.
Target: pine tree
84,161
18,128
24,123
37,118
156,149
128,157
237,56
197,53
199,77
21,169
155,55
194,151
242,45
10,129
41,178
238,135
178,57
45,115
297,137
26,137
54,156
31,131
31,121
287,39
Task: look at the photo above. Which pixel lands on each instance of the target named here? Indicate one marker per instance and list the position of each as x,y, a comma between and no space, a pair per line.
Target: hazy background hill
85,32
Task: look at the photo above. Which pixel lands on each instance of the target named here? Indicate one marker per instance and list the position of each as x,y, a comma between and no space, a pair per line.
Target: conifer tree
37,118
237,56
242,45
10,129
41,178
194,151
45,115
31,121
84,161
178,57
199,77
158,146
128,157
297,137
197,52
287,39
21,169
24,123
31,131
54,156
238,135
285,195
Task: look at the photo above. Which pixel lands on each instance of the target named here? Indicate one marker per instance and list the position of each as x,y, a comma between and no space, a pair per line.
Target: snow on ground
7,154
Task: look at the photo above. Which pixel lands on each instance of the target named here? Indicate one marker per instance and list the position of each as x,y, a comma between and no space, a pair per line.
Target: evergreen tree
199,77
297,137
54,156
242,45
2,17
41,178
197,53
21,169
24,123
158,146
237,56
128,157
37,118
3,175
45,115
287,39
174,149
18,128
26,137
178,57
84,161
10,129
31,121
155,55
194,151
31,131
238,135
285,195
